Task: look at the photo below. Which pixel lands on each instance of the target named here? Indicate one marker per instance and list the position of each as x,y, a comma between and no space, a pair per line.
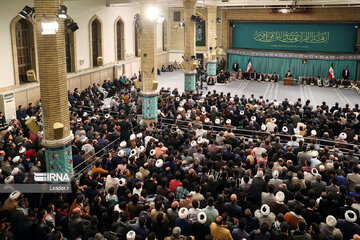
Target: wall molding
316,56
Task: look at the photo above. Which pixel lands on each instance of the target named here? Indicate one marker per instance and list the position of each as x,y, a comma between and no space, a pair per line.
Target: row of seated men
256,76
325,82
221,77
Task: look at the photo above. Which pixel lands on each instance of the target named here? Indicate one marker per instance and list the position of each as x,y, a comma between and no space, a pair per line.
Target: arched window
95,40
24,52
70,51
120,46
137,39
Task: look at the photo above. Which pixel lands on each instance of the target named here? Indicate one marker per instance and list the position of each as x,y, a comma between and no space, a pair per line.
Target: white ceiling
244,3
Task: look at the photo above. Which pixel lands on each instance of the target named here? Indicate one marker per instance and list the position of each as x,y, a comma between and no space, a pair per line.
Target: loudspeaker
99,61
31,76
32,125
137,83
58,130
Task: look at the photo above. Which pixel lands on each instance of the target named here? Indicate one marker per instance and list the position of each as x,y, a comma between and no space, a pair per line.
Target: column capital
190,4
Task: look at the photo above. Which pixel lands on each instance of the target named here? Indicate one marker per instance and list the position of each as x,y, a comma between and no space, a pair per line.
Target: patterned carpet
270,91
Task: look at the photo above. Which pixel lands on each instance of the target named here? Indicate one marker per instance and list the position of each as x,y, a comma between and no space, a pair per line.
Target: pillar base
211,68
190,82
59,159
149,107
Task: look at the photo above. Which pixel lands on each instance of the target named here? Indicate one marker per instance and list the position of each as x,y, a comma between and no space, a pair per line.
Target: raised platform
270,91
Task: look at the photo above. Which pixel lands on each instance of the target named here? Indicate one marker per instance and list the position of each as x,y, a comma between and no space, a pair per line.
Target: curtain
313,67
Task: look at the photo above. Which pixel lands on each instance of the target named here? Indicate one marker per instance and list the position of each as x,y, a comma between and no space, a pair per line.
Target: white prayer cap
201,217
228,121
15,171
122,182
343,136
193,143
285,129
331,221
15,195
183,212
121,153
350,216
123,144
152,152
313,132
132,137
16,159
253,118
265,210
9,179
130,235
217,121
159,163
263,127
280,197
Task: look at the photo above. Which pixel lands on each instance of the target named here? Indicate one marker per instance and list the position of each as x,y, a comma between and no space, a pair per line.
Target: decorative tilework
59,159
190,82
211,68
149,107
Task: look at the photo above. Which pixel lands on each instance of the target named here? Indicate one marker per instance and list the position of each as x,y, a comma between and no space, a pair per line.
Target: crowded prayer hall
180,120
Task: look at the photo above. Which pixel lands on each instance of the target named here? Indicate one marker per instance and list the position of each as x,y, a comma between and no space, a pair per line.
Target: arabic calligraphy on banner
291,37
307,37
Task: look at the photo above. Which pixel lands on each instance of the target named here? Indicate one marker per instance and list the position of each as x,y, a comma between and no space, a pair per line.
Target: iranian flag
249,66
331,72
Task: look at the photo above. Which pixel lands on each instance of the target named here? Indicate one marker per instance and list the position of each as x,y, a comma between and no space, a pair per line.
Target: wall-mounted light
49,27
71,26
218,20
62,12
182,24
26,12
196,18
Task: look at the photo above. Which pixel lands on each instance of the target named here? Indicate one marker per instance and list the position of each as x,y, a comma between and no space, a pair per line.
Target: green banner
200,34
312,37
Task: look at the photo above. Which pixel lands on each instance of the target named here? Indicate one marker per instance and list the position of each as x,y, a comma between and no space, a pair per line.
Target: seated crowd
191,175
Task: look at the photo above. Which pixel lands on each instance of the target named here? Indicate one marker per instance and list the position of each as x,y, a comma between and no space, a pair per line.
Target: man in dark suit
235,67
261,77
288,74
274,77
233,209
222,64
254,76
346,74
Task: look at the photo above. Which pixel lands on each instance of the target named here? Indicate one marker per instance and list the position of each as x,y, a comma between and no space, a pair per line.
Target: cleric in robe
288,74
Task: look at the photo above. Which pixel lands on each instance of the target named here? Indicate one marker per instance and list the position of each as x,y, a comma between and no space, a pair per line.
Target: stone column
53,89
190,42
148,55
212,23
212,40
